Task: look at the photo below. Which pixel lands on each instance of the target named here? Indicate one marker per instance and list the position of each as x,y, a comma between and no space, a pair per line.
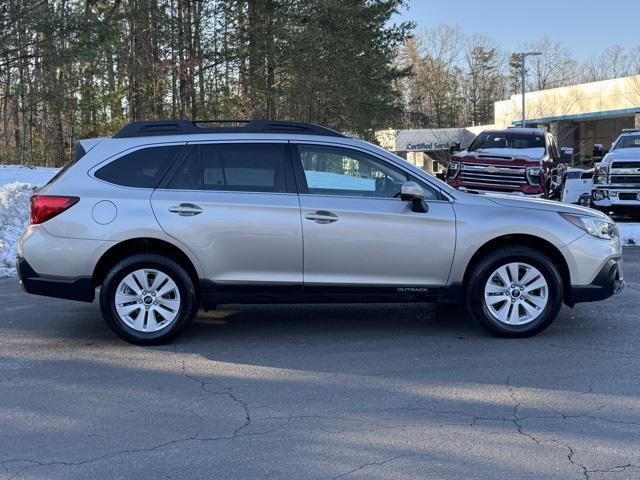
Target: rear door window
143,168
236,167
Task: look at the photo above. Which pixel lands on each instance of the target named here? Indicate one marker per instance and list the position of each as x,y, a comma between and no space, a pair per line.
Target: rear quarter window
143,168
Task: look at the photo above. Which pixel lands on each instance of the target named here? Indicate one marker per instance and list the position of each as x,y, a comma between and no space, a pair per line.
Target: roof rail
630,130
188,127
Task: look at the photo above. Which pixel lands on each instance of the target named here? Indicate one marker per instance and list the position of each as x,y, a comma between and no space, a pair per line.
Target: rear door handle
322,216
186,209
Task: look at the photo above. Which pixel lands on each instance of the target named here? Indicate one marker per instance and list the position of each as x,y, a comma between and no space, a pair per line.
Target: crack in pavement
153,448
586,472
570,456
365,465
204,387
566,416
226,391
516,418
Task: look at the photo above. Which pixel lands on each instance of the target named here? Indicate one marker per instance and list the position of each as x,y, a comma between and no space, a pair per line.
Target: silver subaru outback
166,217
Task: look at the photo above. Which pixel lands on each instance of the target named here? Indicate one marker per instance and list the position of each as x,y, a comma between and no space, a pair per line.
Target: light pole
523,56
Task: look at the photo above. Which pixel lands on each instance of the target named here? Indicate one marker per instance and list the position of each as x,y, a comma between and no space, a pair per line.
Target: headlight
599,179
600,194
533,175
597,227
603,169
453,169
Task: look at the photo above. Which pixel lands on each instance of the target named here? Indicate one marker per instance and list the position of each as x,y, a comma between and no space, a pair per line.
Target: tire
536,296
150,314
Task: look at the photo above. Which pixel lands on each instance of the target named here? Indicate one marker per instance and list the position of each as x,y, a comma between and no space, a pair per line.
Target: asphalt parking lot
322,392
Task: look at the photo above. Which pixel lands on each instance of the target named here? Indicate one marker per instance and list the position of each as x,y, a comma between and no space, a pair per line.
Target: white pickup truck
577,186
616,180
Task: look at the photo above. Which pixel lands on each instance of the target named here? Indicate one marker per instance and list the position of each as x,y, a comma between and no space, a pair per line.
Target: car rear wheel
148,299
515,292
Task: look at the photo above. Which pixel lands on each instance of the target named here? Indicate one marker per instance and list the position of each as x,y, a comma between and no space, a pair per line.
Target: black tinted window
233,167
142,168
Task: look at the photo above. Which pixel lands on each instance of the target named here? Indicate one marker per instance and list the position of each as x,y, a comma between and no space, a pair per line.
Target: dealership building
427,148
580,116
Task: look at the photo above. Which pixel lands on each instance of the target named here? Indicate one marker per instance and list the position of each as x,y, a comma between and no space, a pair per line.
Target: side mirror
455,147
597,150
414,193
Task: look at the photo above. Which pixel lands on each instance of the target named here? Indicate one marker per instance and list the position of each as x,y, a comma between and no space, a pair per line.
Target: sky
585,26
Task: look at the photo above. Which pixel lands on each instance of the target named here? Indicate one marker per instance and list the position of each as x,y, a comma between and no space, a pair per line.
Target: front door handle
322,216
186,209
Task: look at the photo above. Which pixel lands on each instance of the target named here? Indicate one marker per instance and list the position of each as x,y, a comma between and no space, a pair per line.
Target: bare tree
613,62
434,94
556,67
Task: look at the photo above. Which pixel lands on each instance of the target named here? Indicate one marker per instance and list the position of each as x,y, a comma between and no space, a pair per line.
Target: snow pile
630,233
36,176
16,186
14,213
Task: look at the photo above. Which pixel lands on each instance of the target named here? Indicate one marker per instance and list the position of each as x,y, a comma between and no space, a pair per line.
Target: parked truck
616,180
521,161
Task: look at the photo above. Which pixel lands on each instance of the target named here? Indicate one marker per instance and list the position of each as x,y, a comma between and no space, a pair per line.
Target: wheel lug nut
155,303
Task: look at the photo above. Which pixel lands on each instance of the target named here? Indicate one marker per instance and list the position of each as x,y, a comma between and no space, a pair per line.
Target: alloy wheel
147,300
516,293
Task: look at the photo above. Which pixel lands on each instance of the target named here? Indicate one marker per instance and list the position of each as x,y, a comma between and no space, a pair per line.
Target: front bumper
608,282
476,189
525,190
616,197
80,288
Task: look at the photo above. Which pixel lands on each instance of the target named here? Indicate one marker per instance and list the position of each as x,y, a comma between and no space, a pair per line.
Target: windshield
506,140
630,141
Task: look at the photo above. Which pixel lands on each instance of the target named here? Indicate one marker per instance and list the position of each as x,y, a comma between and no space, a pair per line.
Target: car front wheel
148,299
514,292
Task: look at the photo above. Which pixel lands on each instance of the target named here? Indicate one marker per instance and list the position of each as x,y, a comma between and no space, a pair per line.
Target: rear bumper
608,282
80,288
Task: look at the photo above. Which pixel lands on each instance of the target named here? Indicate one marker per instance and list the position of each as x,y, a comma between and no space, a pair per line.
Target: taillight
45,207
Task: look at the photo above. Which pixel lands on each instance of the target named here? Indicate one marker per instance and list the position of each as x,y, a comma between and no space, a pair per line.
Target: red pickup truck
518,161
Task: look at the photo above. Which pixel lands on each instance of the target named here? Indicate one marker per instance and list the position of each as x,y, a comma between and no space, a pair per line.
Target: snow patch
533,153
16,185
630,233
34,175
